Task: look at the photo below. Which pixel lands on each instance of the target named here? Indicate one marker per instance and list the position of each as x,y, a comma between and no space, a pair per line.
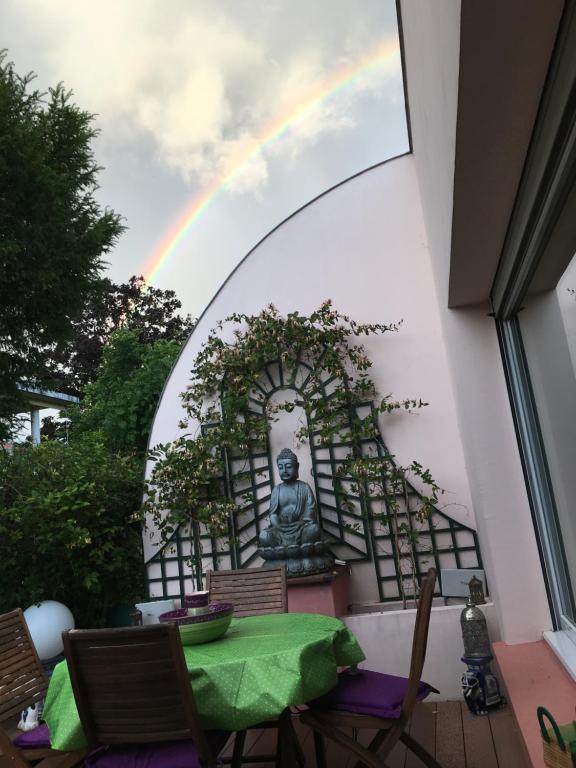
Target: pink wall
364,246
431,33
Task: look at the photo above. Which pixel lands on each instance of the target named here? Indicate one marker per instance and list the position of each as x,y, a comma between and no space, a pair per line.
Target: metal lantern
476,591
479,686
474,632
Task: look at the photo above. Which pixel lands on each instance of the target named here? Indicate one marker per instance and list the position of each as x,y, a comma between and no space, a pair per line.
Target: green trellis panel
357,531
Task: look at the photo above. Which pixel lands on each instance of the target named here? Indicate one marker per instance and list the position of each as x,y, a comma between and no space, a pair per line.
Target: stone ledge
320,578
533,677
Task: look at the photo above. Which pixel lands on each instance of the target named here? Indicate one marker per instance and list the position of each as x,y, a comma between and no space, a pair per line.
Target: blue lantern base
479,686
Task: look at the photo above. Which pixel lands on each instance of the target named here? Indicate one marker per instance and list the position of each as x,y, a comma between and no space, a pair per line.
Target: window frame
545,194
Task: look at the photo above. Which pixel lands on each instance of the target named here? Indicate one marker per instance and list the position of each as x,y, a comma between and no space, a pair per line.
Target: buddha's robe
292,516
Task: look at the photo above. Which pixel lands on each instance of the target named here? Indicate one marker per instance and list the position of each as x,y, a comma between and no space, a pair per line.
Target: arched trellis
358,526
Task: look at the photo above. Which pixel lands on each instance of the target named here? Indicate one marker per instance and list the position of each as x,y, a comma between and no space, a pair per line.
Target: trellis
358,527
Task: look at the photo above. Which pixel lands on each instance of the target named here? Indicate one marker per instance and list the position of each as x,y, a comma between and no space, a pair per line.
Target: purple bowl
180,615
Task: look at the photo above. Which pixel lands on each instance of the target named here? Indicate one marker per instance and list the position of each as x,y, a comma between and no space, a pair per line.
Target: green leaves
54,234
69,528
121,402
187,481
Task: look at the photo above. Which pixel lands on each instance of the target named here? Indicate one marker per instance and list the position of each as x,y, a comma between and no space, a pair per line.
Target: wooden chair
23,683
133,692
251,591
375,701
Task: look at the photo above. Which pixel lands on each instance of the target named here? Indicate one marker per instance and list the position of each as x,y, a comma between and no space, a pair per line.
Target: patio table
262,665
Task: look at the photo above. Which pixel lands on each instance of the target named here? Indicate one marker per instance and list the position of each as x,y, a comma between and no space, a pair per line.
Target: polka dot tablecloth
261,666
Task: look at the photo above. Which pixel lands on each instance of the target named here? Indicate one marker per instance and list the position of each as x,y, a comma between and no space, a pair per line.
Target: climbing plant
187,484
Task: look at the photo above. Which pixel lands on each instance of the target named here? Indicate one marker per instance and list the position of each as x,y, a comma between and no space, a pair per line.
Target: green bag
559,742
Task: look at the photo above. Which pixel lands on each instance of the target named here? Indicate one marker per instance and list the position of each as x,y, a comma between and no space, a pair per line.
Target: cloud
206,87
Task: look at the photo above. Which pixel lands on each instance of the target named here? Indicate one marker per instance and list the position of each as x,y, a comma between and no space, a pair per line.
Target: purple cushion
168,754
370,693
34,739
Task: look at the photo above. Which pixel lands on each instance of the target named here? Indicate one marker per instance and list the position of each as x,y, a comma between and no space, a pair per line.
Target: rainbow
270,134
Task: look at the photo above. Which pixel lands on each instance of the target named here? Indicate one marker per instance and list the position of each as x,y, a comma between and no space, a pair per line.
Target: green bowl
194,634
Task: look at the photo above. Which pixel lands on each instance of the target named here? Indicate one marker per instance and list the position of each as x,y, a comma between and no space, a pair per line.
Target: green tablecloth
261,666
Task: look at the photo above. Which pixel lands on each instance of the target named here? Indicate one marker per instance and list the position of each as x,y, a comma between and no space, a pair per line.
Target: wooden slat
9,652
506,738
129,653
246,589
478,744
449,734
18,666
24,699
247,576
423,730
241,582
242,599
252,591
13,631
9,621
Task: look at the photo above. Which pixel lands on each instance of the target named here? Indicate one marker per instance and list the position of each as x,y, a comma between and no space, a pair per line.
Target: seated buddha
294,536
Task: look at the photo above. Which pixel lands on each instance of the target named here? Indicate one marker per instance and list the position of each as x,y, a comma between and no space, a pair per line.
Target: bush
70,528
121,402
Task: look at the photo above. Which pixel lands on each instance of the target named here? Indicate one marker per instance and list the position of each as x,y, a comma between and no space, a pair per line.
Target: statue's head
287,462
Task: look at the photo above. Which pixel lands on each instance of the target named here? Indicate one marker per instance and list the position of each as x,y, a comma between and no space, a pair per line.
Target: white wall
431,34
364,246
385,638
507,539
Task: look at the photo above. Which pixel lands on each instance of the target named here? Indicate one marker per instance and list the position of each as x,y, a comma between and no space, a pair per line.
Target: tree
121,402
151,312
70,528
53,234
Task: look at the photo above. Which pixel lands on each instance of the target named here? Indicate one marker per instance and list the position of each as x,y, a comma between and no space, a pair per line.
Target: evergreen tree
53,233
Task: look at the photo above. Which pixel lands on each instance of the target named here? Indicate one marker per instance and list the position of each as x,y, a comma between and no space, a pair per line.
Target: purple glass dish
196,600
215,611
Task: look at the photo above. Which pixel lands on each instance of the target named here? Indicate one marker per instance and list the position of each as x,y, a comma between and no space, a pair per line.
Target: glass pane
548,325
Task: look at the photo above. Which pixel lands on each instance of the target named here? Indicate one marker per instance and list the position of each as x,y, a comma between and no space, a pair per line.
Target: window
535,307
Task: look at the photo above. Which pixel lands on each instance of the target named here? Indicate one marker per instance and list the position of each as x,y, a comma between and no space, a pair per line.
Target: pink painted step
533,676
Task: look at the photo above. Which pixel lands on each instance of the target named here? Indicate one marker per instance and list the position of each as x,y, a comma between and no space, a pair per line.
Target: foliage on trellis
187,484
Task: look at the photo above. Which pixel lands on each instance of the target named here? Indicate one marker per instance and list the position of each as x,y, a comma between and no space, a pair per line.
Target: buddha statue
294,536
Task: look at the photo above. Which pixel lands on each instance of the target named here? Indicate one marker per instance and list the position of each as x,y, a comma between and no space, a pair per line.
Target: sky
217,118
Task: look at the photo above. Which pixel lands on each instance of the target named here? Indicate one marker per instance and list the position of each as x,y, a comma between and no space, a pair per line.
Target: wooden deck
457,738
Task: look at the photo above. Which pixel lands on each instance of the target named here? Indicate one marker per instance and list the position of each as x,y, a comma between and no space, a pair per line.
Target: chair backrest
131,686
250,590
22,679
419,642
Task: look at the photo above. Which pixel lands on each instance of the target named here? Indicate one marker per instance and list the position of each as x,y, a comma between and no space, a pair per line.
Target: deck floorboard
449,734
455,737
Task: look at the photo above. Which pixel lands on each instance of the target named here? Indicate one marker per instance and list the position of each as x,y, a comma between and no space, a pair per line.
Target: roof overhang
475,73
505,52
46,398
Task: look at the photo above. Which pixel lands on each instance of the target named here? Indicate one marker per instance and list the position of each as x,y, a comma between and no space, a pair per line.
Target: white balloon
46,623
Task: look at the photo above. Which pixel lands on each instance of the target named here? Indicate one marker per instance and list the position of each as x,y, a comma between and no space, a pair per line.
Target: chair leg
288,752
319,749
300,758
388,735
238,752
419,751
